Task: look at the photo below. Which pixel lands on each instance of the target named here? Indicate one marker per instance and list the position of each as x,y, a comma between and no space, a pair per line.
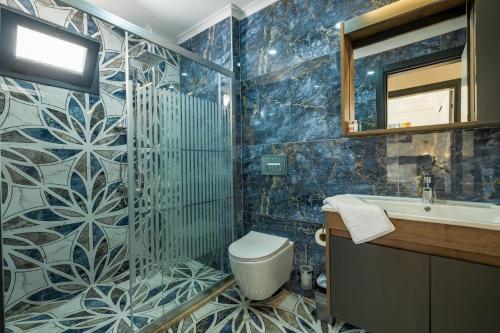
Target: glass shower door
180,164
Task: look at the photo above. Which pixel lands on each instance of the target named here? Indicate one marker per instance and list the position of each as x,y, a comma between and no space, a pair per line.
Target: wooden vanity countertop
457,242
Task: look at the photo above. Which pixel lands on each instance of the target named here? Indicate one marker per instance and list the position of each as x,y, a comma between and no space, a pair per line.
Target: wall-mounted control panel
274,165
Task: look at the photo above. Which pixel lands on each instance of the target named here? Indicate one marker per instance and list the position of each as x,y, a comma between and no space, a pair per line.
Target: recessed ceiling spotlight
273,52
184,74
338,25
370,72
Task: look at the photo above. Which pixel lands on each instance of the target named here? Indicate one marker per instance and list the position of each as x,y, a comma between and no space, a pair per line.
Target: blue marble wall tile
236,49
481,164
317,169
198,80
220,44
465,164
298,30
454,39
214,43
299,103
237,159
237,128
290,103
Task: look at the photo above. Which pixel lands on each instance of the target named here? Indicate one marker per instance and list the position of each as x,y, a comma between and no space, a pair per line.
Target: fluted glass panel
180,166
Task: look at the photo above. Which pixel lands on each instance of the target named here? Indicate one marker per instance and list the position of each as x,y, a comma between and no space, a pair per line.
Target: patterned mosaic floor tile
107,308
232,312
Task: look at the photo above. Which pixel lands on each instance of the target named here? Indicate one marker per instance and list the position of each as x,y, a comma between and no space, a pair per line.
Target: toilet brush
306,273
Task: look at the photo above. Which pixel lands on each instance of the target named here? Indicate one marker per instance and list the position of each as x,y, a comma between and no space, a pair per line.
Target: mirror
419,78
409,66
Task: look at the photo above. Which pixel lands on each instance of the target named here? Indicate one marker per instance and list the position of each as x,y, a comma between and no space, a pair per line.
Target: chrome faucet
427,191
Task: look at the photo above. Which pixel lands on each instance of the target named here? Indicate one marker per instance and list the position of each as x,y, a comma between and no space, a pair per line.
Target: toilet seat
256,246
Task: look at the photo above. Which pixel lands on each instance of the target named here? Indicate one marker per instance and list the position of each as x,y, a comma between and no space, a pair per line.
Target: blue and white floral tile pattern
285,312
109,307
64,221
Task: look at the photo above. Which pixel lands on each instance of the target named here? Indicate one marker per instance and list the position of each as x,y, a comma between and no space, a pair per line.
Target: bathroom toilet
261,263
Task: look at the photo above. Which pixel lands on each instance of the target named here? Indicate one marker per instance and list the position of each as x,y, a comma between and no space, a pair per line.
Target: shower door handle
139,183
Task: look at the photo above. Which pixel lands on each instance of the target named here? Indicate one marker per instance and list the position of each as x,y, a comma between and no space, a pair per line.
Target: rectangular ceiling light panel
39,47
38,51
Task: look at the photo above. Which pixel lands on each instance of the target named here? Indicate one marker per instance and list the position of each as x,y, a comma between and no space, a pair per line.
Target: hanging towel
364,221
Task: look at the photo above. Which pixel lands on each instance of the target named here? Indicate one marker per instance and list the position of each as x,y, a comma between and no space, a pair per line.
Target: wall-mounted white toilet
261,263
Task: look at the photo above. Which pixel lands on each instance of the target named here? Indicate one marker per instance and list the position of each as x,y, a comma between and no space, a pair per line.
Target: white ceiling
171,18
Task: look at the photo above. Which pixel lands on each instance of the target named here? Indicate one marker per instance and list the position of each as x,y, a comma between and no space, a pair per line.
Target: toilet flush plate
274,165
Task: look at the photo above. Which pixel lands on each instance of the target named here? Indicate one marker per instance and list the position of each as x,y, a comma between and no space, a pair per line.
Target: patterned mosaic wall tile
64,221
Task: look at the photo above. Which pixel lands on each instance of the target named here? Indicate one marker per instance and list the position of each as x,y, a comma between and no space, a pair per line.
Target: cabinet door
465,297
380,289
487,64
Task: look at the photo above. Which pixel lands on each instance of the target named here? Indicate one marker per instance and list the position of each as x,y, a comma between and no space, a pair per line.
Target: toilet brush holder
306,277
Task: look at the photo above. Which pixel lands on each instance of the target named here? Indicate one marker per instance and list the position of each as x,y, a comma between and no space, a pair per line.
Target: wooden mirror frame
390,20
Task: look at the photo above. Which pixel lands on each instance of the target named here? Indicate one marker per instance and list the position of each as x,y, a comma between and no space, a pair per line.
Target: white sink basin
467,214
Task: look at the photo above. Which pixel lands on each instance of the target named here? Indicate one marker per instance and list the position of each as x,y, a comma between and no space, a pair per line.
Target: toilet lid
256,245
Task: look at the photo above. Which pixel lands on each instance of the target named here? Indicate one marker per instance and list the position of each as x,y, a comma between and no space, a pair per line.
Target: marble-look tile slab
299,103
213,44
476,171
298,30
236,49
465,164
317,169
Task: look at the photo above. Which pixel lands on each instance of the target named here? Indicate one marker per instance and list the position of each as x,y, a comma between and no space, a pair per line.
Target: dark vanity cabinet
372,284
465,297
387,290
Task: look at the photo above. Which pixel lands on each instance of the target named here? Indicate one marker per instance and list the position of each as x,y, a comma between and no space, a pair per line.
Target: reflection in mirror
418,78
429,95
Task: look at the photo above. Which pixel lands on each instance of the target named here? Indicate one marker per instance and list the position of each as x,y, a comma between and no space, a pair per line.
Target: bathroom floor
106,307
285,312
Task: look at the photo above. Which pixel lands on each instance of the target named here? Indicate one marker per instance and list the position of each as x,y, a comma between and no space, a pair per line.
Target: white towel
364,221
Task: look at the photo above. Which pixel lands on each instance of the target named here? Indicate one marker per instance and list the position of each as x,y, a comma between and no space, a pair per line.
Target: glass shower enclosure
180,161
117,208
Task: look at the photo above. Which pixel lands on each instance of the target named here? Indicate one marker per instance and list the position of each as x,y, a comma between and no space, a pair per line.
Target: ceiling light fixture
39,47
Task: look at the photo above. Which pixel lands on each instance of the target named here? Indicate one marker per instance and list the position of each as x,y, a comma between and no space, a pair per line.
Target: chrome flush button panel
274,165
